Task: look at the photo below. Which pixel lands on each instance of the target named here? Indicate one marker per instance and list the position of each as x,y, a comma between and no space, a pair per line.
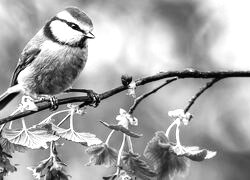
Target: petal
176,113
133,121
122,112
120,118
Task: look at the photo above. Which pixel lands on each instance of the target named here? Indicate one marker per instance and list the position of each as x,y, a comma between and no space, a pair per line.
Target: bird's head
70,27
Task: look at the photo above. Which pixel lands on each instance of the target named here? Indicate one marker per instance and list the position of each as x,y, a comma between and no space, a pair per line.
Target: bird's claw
52,99
94,97
53,103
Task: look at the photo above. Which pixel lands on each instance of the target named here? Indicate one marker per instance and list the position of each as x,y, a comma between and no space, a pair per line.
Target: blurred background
142,38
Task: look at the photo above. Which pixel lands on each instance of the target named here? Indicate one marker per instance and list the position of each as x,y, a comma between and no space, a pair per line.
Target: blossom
125,119
179,114
27,103
76,109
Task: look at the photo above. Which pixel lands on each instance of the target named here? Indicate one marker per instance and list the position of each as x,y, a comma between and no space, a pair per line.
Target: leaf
121,129
56,170
5,164
137,166
156,148
102,154
71,135
4,154
37,171
9,147
122,176
31,138
166,162
197,154
50,168
111,177
55,174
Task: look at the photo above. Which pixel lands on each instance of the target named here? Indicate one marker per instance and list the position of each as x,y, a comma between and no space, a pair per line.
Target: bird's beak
90,35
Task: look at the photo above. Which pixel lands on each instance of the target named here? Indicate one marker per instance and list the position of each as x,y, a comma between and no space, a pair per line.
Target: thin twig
189,73
202,90
119,158
140,98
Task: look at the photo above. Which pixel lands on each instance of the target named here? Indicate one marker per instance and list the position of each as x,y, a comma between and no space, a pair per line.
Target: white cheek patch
64,33
67,16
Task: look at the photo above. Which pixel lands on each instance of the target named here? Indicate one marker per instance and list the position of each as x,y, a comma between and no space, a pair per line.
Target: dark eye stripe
70,24
48,33
74,26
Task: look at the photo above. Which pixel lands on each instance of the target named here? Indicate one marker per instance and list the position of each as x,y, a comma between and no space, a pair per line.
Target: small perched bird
53,58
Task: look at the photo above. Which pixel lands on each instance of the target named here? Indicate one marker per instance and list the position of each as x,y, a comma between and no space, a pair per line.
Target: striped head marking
70,26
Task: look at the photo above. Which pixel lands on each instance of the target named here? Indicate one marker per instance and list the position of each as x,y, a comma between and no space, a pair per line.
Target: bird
53,58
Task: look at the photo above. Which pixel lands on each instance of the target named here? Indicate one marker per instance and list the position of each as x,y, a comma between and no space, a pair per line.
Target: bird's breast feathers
53,49
54,69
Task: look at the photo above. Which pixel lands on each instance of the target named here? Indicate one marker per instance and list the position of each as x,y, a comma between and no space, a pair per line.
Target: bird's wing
26,58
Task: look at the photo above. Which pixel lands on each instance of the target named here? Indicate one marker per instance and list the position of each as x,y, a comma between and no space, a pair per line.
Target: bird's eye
74,26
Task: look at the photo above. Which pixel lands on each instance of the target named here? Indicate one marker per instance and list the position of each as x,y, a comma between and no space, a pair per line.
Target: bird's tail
6,97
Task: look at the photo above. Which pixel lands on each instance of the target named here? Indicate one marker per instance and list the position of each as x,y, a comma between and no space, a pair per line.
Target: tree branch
188,73
140,98
202,90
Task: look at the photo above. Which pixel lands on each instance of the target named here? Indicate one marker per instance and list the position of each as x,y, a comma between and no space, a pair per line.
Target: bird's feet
52,99
93,95
95,98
